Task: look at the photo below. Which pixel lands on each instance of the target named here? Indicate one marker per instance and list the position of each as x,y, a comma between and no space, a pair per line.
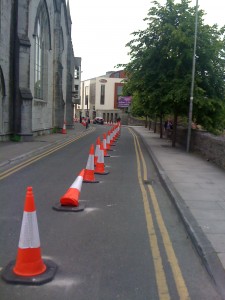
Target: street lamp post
192,79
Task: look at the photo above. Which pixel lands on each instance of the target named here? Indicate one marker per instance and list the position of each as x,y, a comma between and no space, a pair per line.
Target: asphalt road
128,243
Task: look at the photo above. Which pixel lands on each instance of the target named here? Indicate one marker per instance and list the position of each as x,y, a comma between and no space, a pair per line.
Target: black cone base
9,276
71,208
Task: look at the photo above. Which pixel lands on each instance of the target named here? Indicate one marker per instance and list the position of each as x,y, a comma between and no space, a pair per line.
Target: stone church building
36,68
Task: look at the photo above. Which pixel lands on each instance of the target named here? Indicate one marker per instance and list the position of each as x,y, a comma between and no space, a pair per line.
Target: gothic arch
42,11
42,35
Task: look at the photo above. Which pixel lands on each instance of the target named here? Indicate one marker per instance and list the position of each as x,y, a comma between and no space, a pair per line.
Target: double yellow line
161,280
41,155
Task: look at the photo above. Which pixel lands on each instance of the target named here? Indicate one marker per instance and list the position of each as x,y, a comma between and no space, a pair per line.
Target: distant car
98,120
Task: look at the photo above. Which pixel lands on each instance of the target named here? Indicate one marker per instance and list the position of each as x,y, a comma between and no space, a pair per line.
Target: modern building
77,84
36,67
100,97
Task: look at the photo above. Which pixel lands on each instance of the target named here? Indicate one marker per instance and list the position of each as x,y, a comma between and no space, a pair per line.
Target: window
38,81
119,90
42,45
76,91
102,96
86,94
76,73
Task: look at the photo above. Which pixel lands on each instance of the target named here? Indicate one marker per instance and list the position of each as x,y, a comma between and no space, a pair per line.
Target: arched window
42,45
38,80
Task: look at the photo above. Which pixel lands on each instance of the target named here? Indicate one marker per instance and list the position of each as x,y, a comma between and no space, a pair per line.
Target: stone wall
135,122
210,146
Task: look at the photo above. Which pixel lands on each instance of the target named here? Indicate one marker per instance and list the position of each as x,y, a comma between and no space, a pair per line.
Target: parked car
98,120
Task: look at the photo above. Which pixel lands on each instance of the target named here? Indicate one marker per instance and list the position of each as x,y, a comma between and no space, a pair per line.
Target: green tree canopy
160,67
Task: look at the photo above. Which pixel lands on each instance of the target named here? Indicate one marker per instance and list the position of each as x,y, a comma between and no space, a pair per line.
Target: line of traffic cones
29,267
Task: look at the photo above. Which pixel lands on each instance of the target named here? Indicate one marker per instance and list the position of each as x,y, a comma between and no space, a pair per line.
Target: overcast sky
101,29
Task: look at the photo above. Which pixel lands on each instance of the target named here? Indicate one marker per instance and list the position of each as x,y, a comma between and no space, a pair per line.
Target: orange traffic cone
105,146
70,200
90,168
29,267
97,149
100,166
29,261
64,128
108,145
112,137
117,131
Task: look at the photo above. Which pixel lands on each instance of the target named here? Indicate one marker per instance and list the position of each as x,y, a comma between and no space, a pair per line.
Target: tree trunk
174,135
161,126
146,121
155,124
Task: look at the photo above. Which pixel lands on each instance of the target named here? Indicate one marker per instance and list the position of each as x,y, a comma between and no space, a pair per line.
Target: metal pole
193,79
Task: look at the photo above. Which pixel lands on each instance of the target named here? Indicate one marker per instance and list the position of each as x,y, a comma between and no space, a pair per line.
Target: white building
99,97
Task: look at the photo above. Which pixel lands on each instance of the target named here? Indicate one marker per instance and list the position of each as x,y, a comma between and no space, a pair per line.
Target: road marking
177,274
162,286
40,156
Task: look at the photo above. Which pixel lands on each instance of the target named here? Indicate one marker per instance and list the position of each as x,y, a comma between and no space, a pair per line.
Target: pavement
195,185
11,152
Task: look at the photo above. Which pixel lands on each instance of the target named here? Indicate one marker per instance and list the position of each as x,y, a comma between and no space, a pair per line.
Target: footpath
195,185
11,152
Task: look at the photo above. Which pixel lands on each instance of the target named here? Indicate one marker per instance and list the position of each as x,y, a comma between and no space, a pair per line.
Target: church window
38,87
42,38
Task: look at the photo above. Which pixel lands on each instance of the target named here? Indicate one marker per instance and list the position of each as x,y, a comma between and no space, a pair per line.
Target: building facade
99,97
77,83
36,67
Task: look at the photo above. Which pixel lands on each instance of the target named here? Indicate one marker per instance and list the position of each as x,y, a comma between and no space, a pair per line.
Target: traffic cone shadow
89,176
70,200
29,267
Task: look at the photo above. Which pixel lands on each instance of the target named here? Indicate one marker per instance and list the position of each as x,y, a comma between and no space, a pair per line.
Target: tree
161,65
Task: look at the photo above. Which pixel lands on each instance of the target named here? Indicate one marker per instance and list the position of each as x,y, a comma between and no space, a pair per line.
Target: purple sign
124,101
